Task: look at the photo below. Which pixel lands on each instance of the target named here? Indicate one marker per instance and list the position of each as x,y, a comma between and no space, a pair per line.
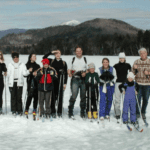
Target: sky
33,14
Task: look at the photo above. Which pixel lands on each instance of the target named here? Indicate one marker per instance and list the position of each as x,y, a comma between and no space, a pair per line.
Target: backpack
74,60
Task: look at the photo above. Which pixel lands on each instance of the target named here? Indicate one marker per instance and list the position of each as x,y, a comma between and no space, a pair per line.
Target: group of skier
117,83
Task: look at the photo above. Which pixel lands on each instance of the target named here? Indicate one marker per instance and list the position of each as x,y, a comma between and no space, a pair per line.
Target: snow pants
106,100
129,104
44,96
117,99
1,91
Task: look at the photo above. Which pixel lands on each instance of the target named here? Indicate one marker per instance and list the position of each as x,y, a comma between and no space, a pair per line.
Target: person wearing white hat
122,68
130,89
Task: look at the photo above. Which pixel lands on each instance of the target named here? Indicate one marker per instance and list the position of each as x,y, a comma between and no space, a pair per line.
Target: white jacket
22,71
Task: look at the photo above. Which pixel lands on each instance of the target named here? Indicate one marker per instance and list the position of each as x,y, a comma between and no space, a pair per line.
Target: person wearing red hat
45,77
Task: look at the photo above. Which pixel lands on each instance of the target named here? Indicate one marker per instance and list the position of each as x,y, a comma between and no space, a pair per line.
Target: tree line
92,45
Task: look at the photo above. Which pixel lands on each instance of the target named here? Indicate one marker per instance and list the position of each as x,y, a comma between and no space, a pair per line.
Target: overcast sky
29,14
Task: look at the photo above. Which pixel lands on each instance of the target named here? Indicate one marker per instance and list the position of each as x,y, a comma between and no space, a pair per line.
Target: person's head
91,67
78,51
130,76
15,57
105,63
58,54
122,57
143,53
33,57
45,63
1,56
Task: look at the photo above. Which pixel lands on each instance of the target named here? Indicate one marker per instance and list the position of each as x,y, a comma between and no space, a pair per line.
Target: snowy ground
22,134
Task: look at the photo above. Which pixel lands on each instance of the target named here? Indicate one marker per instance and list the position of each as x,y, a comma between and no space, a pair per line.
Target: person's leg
13,94
41,102
102,102
74,90
60,101
145,95
117,100
19,99
133,110
82,97
47,103
54,97
110,90
125,109
28,102
1,92
35,101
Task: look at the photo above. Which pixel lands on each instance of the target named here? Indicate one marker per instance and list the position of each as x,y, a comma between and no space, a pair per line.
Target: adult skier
59,85
122,68
3,69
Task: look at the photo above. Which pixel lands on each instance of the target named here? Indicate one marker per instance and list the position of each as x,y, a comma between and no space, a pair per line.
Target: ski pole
58,95
62,95
139,108
5,97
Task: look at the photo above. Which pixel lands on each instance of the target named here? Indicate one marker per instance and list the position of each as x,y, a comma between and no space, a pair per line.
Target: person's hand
136,92
70,75
135,66
53,52
30,69
83,74
35,73
146,72
64,86
5,73
124,92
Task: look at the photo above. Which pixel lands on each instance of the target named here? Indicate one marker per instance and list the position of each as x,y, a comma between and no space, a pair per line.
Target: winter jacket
2,69
94,80
122,71
58,65
22,71
45,81
124,85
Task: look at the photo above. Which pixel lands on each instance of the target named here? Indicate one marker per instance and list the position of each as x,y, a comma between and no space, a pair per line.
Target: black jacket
58,66
2,69
35,67
122,71
46,86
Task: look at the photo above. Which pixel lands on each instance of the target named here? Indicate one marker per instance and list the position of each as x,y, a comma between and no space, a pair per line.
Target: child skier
131,88
107,80
45,77
92,81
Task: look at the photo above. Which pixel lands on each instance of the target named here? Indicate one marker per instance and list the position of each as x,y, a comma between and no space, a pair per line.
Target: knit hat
130,75
91,65
14,54
122,55
45,61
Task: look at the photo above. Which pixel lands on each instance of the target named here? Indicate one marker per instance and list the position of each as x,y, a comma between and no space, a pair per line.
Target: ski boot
60,115
34,114
26,113
71,116
1,111
53,115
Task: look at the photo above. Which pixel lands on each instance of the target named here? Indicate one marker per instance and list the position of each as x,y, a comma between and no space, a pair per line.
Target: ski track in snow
24,134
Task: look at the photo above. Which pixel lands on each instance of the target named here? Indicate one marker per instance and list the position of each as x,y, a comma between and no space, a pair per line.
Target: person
32,86
107,80
61,68
141,68
77,68
16,72
2,69
122,68
92,81
130,90
45,77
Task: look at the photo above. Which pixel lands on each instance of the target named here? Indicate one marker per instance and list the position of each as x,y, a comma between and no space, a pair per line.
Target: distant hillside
89,28
10,31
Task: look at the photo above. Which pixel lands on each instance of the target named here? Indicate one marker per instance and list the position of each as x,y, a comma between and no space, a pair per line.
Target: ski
103,124
137,128
146,124
129,128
